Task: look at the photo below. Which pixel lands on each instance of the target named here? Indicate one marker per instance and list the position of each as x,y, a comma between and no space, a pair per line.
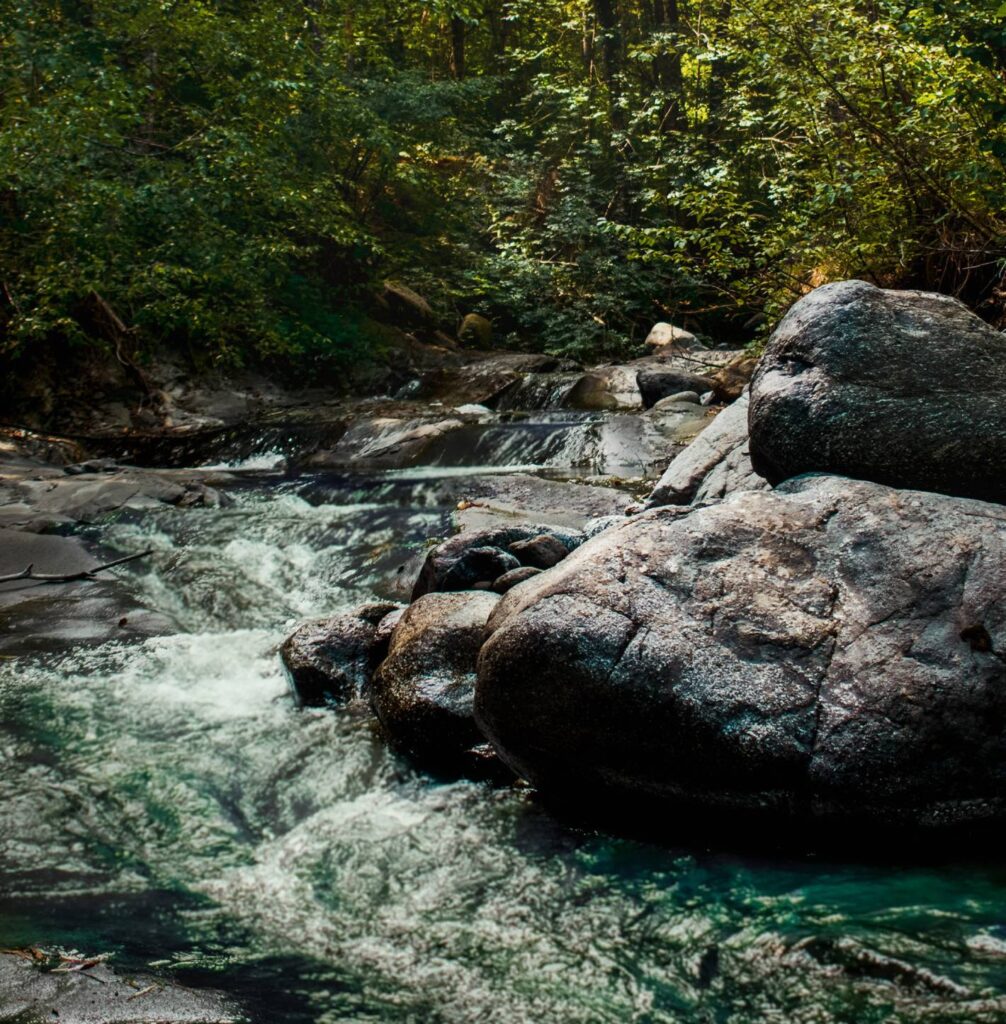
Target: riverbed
164,800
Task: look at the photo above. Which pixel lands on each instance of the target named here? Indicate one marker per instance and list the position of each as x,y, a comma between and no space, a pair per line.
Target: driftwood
88,574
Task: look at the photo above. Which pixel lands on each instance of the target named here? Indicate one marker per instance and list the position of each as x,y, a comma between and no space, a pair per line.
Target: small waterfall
538,391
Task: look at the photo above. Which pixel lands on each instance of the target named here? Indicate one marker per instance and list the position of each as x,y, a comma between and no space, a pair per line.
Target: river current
166,802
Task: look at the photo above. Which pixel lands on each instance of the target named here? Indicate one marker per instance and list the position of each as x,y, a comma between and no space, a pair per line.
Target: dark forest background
232,181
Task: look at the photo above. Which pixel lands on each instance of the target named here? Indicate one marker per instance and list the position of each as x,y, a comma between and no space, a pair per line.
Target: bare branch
89,574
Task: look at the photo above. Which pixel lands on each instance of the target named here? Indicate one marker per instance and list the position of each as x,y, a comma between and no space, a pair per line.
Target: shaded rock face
424,689
332,660
715,464
832,650
902,388
656,383
483,556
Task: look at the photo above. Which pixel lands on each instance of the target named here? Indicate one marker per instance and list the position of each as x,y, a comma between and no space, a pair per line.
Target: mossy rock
475,332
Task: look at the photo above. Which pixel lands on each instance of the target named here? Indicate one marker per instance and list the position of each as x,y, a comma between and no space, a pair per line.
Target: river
164,800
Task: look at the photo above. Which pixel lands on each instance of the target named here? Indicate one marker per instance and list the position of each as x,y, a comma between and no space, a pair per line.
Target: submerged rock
424,689
902,388
331,660
832,650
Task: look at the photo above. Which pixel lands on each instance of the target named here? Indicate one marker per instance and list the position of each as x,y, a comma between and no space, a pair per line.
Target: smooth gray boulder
715,464
330,661
831,650
903,388
424,689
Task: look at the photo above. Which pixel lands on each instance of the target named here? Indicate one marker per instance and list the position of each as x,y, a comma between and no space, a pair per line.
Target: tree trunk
611,54
669,67
458,29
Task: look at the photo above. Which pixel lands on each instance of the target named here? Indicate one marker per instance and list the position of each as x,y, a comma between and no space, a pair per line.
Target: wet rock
671,402
482,381
199,495
18,444
716,463
902,388
39,617
510,579
832,650
382,442
332,660
657,382
424,689
497,501
478,565
476,331
31,991
541,552
605,388
470,558
664,336
91,466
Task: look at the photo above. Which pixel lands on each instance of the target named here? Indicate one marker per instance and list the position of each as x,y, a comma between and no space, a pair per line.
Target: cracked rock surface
901,387
833,649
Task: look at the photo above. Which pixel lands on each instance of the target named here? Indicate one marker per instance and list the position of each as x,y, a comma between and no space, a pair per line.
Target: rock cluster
830,650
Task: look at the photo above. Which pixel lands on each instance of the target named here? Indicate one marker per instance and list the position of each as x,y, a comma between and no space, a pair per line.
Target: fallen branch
87,574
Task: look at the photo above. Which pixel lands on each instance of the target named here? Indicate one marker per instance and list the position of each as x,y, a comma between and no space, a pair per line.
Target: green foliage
234,178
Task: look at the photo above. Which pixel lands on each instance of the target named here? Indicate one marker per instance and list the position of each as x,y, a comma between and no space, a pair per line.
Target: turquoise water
164,801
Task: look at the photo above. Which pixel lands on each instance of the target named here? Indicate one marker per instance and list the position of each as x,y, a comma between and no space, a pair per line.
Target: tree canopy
232,179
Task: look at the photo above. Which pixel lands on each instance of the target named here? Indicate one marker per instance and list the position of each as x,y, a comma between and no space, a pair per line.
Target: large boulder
902,388
424,689
832,650
715,464
482,556
330,661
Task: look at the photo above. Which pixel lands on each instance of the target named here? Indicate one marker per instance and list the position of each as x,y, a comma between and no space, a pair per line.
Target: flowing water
165,801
